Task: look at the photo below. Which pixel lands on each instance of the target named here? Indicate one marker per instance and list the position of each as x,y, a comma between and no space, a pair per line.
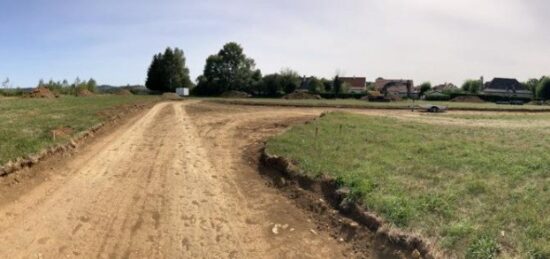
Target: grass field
26,124
353,103
477,192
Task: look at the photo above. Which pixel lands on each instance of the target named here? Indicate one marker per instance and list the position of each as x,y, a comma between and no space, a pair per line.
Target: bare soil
180,181
173,183
41,92
84,93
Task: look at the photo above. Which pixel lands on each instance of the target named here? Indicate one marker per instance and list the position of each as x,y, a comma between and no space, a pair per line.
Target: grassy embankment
353,103
474,190
26,124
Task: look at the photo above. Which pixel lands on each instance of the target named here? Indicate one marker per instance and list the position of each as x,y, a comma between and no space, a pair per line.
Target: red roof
359,82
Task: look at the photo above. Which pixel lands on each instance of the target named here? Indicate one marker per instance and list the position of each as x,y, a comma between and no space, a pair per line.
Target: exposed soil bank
287,176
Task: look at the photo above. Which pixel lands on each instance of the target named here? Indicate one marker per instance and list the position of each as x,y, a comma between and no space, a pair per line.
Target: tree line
64,87
230,70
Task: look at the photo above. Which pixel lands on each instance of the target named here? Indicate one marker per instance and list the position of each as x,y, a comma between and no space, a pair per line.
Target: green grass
474,190
353,103
26,124
505,117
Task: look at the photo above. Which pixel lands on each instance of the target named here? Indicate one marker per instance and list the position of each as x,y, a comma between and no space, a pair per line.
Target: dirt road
177,182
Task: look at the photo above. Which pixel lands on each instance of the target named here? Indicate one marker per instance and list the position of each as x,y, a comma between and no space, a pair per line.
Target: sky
440,41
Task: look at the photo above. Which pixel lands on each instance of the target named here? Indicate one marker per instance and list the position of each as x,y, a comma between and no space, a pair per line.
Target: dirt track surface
177,182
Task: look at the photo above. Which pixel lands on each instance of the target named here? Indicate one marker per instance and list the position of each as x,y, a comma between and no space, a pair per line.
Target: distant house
356,84
394,87
507,87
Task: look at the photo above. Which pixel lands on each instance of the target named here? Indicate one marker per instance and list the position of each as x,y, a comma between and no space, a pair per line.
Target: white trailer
182,91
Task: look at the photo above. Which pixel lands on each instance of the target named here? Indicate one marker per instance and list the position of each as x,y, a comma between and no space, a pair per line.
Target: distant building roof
355,82
505,84
382,84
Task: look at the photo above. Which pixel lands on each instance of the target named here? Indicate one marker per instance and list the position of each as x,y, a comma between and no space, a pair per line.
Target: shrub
472,86
438,97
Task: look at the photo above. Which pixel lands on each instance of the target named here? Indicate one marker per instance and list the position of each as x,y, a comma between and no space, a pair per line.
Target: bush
437,97
472,86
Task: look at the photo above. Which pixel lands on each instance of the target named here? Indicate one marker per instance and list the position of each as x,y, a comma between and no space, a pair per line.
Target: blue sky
439,41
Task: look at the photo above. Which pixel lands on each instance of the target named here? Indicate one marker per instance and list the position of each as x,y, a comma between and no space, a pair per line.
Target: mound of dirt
171,96
41,92
301,96
467,99
124,92
84,93
235,94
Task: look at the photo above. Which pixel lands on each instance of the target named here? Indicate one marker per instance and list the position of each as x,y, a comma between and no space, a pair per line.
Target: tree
532,85
315,85
228,70
337,85
6,83
543,88
290,80
91,85
472,86
327,85
424,87
271,85
41,83
168,71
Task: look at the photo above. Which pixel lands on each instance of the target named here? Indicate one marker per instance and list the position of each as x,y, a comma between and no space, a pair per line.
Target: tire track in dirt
171,184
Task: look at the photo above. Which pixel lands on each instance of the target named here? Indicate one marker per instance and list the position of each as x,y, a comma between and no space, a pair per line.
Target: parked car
432,108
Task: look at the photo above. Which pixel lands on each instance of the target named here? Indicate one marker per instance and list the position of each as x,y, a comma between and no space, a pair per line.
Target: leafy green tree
315,85
337,85
6,83
91,85
424,87
41,83
543,88
228,70
327,85
532,85
271,85
290,80
472,86
168,71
